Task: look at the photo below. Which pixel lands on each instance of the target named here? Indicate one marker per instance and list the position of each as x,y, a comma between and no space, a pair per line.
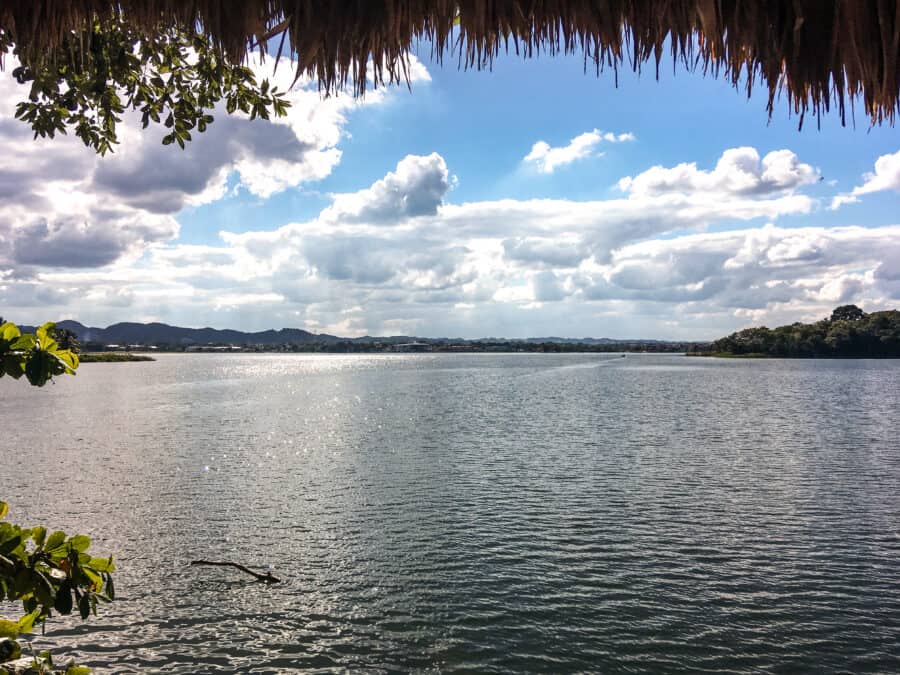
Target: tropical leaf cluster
169,77
47,572
37,356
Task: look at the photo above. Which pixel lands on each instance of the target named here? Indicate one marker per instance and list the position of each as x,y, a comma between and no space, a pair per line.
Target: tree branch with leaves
37,356
52,572
170,77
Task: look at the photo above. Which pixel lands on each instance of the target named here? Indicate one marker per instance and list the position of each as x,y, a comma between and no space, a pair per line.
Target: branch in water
266,578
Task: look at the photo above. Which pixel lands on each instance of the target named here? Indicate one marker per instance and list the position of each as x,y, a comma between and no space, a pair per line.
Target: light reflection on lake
484,512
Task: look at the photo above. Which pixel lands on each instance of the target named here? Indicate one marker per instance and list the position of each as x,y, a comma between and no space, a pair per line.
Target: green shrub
52,572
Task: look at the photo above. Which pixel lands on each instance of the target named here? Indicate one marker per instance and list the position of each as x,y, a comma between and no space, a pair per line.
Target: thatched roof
821,54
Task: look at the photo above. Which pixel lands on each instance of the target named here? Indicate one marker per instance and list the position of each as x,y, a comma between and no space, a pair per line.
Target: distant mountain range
163,334
129,333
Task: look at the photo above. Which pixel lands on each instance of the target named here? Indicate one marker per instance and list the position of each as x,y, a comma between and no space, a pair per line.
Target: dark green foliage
847,313
113,357
170,77
66,339
47,573
849,333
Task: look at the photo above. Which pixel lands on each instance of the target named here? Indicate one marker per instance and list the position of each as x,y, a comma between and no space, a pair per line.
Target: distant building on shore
213,348
412,347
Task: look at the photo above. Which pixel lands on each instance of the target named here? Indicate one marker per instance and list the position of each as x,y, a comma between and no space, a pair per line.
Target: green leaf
84,606
63,602
26,623
38,534
96,579
9,545
68,359
55,540
45,336
9,650
43,589
102,564
37,368
12,365
4,509
24,342
80,542
9,331
9,629
78,670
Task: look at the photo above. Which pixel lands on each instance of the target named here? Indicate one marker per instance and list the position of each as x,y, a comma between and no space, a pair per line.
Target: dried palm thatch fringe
820,53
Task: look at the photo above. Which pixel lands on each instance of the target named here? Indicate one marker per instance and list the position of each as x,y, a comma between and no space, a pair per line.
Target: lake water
485,513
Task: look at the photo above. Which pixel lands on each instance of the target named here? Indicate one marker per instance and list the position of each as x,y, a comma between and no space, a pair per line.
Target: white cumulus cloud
61,205
415,188
885,177
548,159
739,171
399,256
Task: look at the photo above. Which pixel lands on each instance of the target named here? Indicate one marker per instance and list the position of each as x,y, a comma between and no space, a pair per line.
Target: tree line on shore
421,345
848,333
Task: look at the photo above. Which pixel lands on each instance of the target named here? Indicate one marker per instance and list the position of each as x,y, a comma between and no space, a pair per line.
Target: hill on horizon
129,332
134,333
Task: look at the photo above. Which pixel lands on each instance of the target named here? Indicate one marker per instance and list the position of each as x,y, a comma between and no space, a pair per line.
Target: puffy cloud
545,252
144,175
885,177
739,172
547,158
415,188
653,206
71,242
547,287
755,269
28,294
397,257
61,205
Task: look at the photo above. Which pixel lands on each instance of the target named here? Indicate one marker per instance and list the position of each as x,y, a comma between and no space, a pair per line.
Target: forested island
848,333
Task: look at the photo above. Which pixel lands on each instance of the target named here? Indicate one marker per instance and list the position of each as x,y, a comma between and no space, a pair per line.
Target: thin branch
266,578
261,40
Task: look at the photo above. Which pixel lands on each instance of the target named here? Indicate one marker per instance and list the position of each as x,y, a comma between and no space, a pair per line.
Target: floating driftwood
266,578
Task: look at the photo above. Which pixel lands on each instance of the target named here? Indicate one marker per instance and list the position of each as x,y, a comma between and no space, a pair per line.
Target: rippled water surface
488,513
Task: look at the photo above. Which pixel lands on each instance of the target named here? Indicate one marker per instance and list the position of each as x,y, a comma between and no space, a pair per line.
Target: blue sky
484,122
533,199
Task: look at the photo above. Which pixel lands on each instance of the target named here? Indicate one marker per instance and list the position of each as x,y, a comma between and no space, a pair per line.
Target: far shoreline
112,357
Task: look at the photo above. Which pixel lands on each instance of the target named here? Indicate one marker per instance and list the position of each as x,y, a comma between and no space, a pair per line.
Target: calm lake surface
485,513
